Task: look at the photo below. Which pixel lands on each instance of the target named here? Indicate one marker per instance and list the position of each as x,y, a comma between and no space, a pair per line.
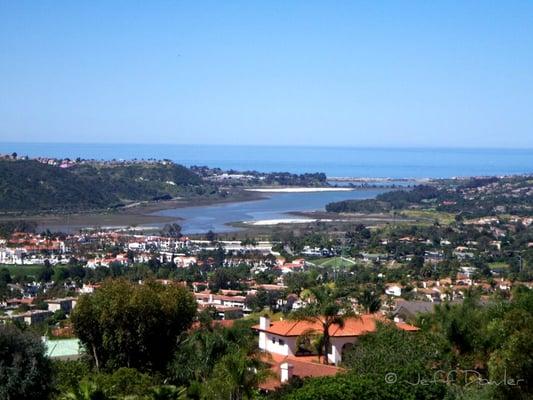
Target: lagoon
275,206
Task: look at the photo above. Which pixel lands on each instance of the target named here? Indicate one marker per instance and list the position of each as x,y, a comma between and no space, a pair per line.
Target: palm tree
311,342
198,354
168,392
236,377
325,310
86,390
369,300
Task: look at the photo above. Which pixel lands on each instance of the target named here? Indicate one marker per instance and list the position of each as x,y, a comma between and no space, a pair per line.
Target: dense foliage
464,351
134,326
25,372
29,185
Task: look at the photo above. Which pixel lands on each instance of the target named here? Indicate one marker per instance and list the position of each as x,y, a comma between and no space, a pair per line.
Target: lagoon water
216,217
275,206
334,161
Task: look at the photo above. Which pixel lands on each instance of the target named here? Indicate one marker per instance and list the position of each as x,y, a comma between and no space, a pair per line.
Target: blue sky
341,73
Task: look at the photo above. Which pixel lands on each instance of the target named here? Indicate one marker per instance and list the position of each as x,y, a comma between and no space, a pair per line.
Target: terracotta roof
407,327
354,326
307,366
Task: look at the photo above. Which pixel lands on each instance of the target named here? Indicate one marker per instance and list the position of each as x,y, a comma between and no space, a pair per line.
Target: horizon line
391,147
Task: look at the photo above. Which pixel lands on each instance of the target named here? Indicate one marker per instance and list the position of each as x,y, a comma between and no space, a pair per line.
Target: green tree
86,390
369,300
25,371
352,386
172,230
198,352
235,377
127,325
168,392
68,374
391,350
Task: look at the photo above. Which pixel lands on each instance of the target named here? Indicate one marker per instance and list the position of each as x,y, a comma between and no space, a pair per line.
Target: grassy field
498,265
20,270
333,262
430,215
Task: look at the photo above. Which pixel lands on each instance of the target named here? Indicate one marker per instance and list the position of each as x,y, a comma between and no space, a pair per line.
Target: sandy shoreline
269,222
300,190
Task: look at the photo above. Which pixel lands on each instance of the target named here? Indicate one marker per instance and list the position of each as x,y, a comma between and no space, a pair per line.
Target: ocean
334,161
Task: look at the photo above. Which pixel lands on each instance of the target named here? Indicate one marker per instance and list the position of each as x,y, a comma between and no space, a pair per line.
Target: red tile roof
353,326
306,366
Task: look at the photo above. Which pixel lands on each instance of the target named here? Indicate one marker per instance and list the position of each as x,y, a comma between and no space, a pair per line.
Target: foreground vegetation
141,343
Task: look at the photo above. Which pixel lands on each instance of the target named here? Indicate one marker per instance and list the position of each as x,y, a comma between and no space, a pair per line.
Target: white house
393,290
281,337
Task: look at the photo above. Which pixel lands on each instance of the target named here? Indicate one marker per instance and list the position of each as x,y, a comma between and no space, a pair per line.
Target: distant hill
28,185
470,197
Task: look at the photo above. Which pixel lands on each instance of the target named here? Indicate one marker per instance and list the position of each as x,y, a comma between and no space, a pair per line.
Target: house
32,317
281,337
433,294
226,305
408,310
88,288
394,289
297,265
183,261
65,304
371,257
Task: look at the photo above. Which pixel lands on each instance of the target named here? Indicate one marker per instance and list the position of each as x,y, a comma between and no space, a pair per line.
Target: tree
352,386
235,377
263,298
390,349
224,278
25,371
325,310
198,352
86,390
46,273
172,230
5,279
5,276
369,300
168,392
127,325
211,236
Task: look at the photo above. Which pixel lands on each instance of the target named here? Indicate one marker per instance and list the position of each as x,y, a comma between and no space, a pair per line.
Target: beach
300,190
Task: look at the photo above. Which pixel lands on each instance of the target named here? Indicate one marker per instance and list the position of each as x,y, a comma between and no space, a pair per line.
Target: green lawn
334,262
20,270
430,215
498,265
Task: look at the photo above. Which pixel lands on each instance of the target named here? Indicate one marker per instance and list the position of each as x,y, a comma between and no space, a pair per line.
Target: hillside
31,186
471,197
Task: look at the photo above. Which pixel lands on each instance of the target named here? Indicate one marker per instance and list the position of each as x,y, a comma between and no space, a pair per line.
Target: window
281,342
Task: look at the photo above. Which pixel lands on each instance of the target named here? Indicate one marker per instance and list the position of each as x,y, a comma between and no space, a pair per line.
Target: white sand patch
300,190
266,222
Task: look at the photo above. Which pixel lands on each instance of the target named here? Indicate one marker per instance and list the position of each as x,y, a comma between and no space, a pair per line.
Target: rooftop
353,326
